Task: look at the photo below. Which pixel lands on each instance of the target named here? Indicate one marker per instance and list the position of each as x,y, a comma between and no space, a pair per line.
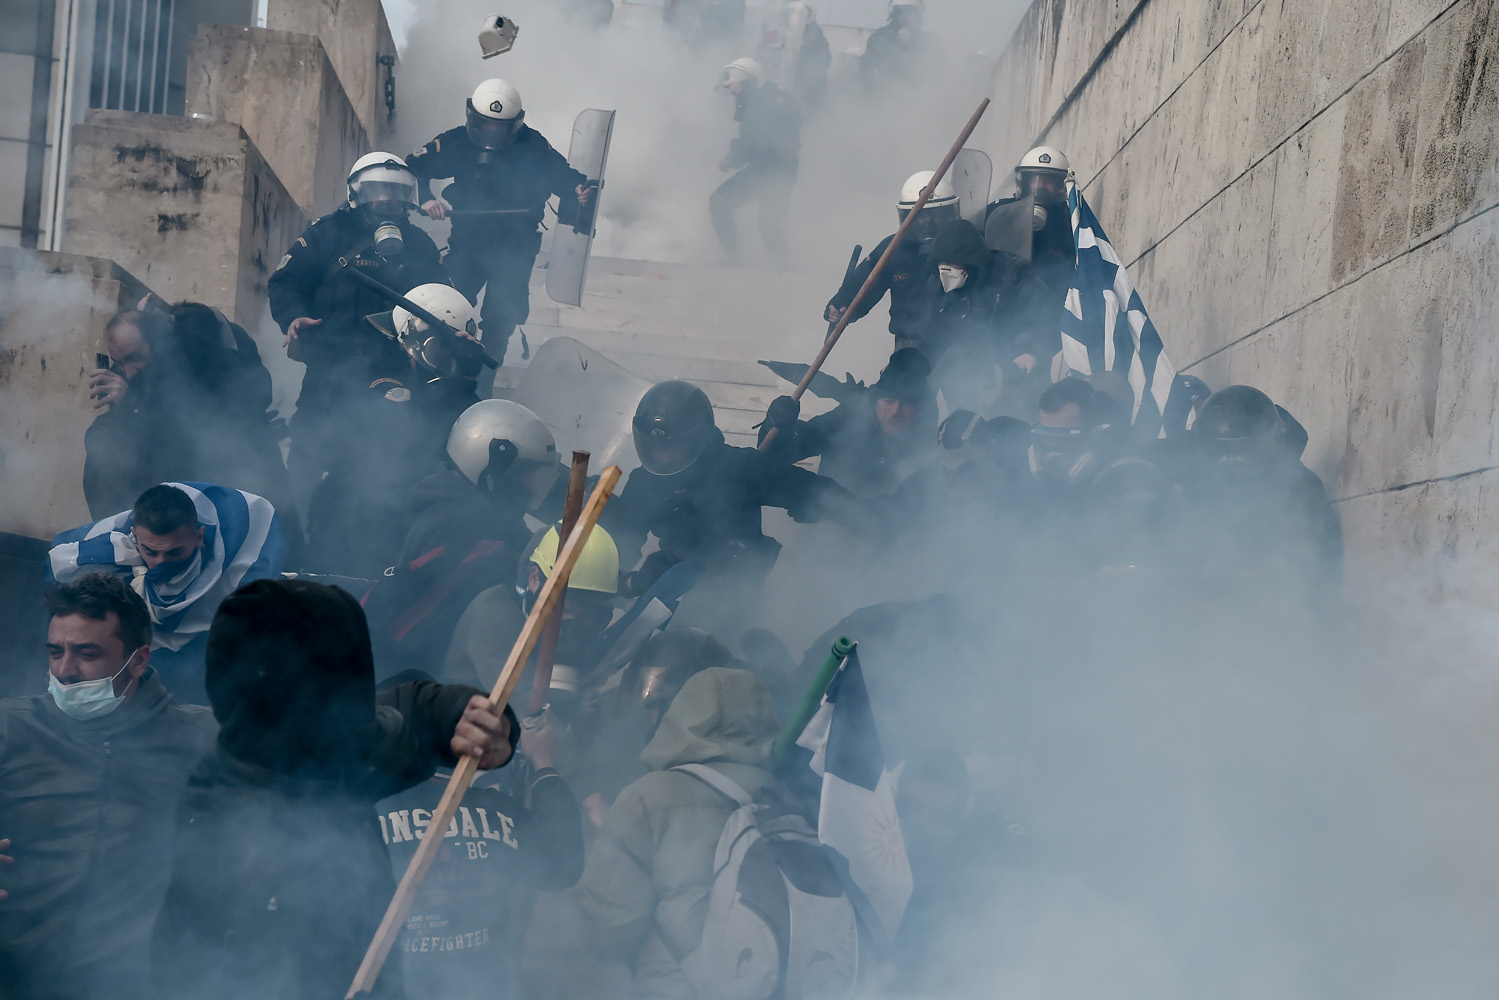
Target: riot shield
970,174
587,400
567,267
1011,225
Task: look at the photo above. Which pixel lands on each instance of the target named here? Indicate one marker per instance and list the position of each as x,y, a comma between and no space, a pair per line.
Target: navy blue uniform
495,250
343,354
907,278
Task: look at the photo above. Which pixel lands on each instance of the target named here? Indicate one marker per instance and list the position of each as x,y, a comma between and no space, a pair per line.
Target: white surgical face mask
951,277
87,699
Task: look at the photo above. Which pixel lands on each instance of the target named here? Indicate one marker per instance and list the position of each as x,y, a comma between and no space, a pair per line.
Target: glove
783,412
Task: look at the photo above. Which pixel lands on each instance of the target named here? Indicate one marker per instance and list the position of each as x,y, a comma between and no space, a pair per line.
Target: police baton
848,272
881,264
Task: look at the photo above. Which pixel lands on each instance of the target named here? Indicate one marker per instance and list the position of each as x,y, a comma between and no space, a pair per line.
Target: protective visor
492,133
383,182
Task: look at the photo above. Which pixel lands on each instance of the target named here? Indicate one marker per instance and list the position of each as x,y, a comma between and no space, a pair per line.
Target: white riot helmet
437,351
1048,165
503,448
912,7
381,177
495,115
497,35
742,70
940,209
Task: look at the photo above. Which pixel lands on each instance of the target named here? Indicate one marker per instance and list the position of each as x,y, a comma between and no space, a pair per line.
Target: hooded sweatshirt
280,874
645,887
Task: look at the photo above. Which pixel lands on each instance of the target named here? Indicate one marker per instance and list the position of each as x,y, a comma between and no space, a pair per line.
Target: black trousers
768,186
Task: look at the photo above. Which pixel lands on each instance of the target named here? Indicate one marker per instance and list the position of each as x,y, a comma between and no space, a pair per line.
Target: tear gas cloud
1239,793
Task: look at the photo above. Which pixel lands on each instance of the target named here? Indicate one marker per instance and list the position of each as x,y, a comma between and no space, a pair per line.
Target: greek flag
856,816
1093,339
242,541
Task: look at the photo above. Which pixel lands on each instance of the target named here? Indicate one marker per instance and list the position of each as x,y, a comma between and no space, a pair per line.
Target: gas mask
83,700
389,242
1062,456
951,276
1038,218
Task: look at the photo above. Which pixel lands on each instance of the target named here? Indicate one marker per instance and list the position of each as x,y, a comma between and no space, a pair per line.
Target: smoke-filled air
863,500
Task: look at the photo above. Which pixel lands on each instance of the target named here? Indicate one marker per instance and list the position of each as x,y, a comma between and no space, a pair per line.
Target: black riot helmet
673,424
667,660
1241,426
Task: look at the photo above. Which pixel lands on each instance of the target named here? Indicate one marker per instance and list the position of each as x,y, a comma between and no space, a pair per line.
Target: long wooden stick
463,774
882,263
546,653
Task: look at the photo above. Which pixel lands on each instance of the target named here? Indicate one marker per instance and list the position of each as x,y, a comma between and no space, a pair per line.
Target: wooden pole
546,652
882,263
463,774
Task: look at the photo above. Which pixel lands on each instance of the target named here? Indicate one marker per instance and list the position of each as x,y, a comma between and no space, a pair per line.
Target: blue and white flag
242,541
1093,339
857,816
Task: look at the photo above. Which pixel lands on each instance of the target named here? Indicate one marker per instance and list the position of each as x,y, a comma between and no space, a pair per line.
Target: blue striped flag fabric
242,541
1093,338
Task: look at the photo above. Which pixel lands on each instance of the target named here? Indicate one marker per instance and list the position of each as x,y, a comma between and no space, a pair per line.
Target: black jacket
89,807
278,883
907,278
464,934
344,353
770,130
522,176
710,512
856,452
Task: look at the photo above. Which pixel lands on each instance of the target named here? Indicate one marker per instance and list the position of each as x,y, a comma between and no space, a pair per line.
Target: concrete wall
189,206
355,35
282,88
1302,190
52,325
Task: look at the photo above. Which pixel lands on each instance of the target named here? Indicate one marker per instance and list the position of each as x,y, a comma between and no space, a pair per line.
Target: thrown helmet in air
743,70
673,425
503,448
497,35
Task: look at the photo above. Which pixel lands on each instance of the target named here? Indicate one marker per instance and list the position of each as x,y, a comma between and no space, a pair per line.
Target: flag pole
837,656
881,264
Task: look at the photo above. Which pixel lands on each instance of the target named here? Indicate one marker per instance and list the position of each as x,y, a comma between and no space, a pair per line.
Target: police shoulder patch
400,394
285,260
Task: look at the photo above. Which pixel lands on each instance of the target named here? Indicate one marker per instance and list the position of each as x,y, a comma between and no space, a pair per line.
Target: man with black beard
321,306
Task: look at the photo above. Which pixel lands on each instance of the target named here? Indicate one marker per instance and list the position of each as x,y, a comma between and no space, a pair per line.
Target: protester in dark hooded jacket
280,876
189,399
871,443
986,326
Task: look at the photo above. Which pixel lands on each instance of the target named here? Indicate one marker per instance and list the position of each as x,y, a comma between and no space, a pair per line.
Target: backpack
779,924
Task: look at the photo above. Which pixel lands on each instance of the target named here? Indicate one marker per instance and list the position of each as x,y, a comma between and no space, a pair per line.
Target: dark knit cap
905,378
291,678
962,245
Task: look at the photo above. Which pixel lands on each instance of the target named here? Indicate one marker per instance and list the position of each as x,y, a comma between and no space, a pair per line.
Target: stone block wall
355,35
51,326
282,88
1303,190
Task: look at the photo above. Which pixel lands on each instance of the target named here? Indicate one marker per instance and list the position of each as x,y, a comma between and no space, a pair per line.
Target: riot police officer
318,299
765,154
909,275
503,172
